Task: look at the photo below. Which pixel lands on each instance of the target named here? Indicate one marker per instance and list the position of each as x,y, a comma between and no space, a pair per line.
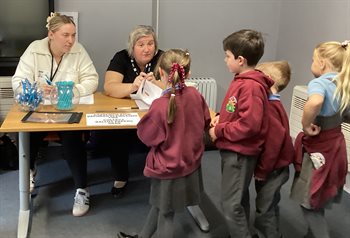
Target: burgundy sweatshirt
243,121
326,180
176,149
278,149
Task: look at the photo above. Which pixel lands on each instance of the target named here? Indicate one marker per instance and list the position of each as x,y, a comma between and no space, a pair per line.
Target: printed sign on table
112,119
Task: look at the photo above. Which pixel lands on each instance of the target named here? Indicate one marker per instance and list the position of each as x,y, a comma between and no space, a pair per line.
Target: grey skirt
176,194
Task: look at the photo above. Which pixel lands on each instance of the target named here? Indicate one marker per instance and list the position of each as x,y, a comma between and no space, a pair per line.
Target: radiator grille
208,88
6,97
299,102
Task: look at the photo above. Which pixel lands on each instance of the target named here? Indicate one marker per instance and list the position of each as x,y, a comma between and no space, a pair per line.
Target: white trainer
81,202
32,180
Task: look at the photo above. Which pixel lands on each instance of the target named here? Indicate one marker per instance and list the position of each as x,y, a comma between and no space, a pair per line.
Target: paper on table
141,105
146,93
112,119
89,99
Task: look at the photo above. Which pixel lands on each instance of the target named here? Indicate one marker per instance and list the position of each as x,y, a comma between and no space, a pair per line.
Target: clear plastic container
28,97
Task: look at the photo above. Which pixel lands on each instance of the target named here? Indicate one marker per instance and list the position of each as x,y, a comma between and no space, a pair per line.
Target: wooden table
12,123
102,103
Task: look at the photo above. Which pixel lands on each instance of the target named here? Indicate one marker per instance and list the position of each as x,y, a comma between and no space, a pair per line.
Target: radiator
6,96
208,88
296,112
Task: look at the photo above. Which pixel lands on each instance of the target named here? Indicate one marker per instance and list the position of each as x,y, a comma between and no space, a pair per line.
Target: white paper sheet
112,119
146,93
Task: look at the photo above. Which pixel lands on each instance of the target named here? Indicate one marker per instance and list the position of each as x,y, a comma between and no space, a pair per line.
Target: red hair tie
177,68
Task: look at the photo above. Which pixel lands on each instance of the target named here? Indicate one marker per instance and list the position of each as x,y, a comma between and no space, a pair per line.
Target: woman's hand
149,76
137,82
46,90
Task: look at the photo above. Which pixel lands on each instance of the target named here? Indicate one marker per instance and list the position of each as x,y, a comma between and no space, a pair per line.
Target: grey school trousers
267,198
317,224
158,224
237,172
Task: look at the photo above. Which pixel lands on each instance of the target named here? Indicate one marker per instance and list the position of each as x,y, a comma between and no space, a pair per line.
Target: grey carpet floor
53,198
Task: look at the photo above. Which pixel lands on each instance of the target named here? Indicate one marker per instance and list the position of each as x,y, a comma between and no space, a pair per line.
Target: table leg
195,211
24,196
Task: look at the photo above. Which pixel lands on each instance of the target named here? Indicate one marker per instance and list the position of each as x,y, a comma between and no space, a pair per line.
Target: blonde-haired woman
47,61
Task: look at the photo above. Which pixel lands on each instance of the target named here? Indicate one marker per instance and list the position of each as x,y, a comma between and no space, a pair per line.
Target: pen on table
126,108
116,109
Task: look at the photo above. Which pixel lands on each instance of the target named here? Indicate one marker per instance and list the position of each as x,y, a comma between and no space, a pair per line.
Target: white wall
292,28
304,24
104,25
199,25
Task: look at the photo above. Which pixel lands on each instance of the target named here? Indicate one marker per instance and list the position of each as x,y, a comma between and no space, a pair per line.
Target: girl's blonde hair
56,20
337,55
343,82
279,71
176,64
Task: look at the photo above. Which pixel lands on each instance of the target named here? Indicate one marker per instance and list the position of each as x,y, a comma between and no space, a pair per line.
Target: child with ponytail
320,159
173,128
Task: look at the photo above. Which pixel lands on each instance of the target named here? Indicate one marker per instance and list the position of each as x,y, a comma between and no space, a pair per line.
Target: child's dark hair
176,64
246,43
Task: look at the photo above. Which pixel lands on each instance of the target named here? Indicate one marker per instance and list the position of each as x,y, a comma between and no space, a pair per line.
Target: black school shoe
123,235
118,192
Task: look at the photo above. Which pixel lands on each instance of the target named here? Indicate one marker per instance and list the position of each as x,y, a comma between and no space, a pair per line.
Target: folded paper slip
146,94
53,117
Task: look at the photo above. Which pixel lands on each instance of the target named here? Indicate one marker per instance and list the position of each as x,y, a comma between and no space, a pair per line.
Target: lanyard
146,70
52,76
